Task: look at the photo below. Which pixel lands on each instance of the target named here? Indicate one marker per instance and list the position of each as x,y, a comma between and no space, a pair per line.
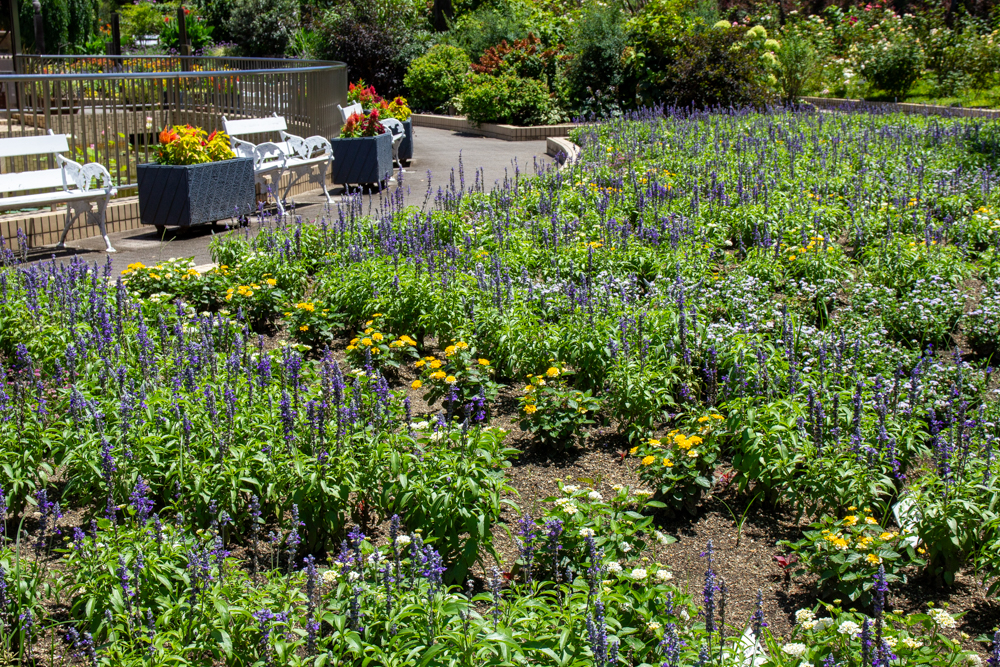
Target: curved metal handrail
74,76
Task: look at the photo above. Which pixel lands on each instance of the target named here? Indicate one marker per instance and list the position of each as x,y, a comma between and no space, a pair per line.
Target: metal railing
113,107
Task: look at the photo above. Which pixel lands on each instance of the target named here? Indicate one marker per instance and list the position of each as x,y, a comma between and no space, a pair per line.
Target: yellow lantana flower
552,372
417,384
484,362
648,460
530,409
450,379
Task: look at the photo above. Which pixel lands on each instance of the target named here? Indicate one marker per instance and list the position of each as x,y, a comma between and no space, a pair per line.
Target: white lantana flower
639,574
587,532
614,567
795,649
594,496
663,576
942,618
849,628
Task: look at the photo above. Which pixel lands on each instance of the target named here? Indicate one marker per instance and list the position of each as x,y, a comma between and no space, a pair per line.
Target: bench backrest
40,145
42,179
235,128
349,110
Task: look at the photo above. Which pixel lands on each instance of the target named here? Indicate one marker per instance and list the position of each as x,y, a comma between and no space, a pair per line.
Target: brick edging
838,103
494,131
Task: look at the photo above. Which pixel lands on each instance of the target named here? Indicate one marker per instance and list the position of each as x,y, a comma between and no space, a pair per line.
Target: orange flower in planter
168,135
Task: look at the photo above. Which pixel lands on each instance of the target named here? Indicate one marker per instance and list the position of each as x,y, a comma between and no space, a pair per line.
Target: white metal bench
349,110
292,154
70,183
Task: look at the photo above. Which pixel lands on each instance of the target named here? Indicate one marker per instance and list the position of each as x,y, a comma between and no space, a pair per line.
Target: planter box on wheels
191,194
362,159
406,146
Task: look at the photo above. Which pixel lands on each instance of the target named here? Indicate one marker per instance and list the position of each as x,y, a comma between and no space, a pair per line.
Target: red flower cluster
362,125
359,92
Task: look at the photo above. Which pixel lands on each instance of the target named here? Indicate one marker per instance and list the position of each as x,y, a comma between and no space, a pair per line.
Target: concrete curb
840,104
556,145
494,131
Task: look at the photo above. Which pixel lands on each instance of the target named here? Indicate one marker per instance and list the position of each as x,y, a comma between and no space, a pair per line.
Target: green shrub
508,99
508,21
796,63
890,65
217,13
140,20
199,32
55,19
597,45
716,67
263,27
437,76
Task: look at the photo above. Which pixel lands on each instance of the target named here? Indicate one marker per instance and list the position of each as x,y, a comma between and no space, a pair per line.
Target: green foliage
797,63
263,28
891,65
508,99
597,45
846,554
510,21
681,467
199,32
141,19
715,67
56,16
554,412
437,76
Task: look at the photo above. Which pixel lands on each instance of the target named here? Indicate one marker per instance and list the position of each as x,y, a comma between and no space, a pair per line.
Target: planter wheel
160,229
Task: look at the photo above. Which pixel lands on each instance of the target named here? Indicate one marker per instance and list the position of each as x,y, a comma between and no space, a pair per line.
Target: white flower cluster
795,649
663,576
942,618
849,628
566,505
614,567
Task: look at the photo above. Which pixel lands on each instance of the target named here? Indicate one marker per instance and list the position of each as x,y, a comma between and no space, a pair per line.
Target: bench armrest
82,175
308,147
243,148
267,154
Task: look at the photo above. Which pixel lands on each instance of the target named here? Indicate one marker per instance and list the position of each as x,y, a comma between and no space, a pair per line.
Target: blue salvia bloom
553,531
597,634
670,646
526,535
124,579
265,622
757,620
140,501
709,590
494,582
703,655
294,539
3,500
151,631
994,659
866,643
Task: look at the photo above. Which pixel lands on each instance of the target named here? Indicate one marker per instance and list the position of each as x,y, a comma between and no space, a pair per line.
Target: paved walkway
436,152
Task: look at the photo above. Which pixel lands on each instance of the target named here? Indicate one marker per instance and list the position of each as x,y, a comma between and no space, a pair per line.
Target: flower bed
307,452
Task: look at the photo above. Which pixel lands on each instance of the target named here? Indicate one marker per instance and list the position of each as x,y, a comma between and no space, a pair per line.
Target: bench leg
323,169
76,209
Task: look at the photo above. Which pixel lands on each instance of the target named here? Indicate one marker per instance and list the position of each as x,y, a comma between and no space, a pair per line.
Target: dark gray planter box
362,160
184,195
406,146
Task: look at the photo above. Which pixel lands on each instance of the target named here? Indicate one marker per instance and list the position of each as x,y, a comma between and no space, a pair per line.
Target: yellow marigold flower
717,417
654,442
695,440
376,315
851,508
428,358
633,450
377,336
354,341
530,409
437,375
668,463
552,372
874,559
648,460
450,379
368,331
460,345
437,364
417,384
271,282
351,348
680,437
450,350
484,362
702,419
420,364
304,327
684,444
366,342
